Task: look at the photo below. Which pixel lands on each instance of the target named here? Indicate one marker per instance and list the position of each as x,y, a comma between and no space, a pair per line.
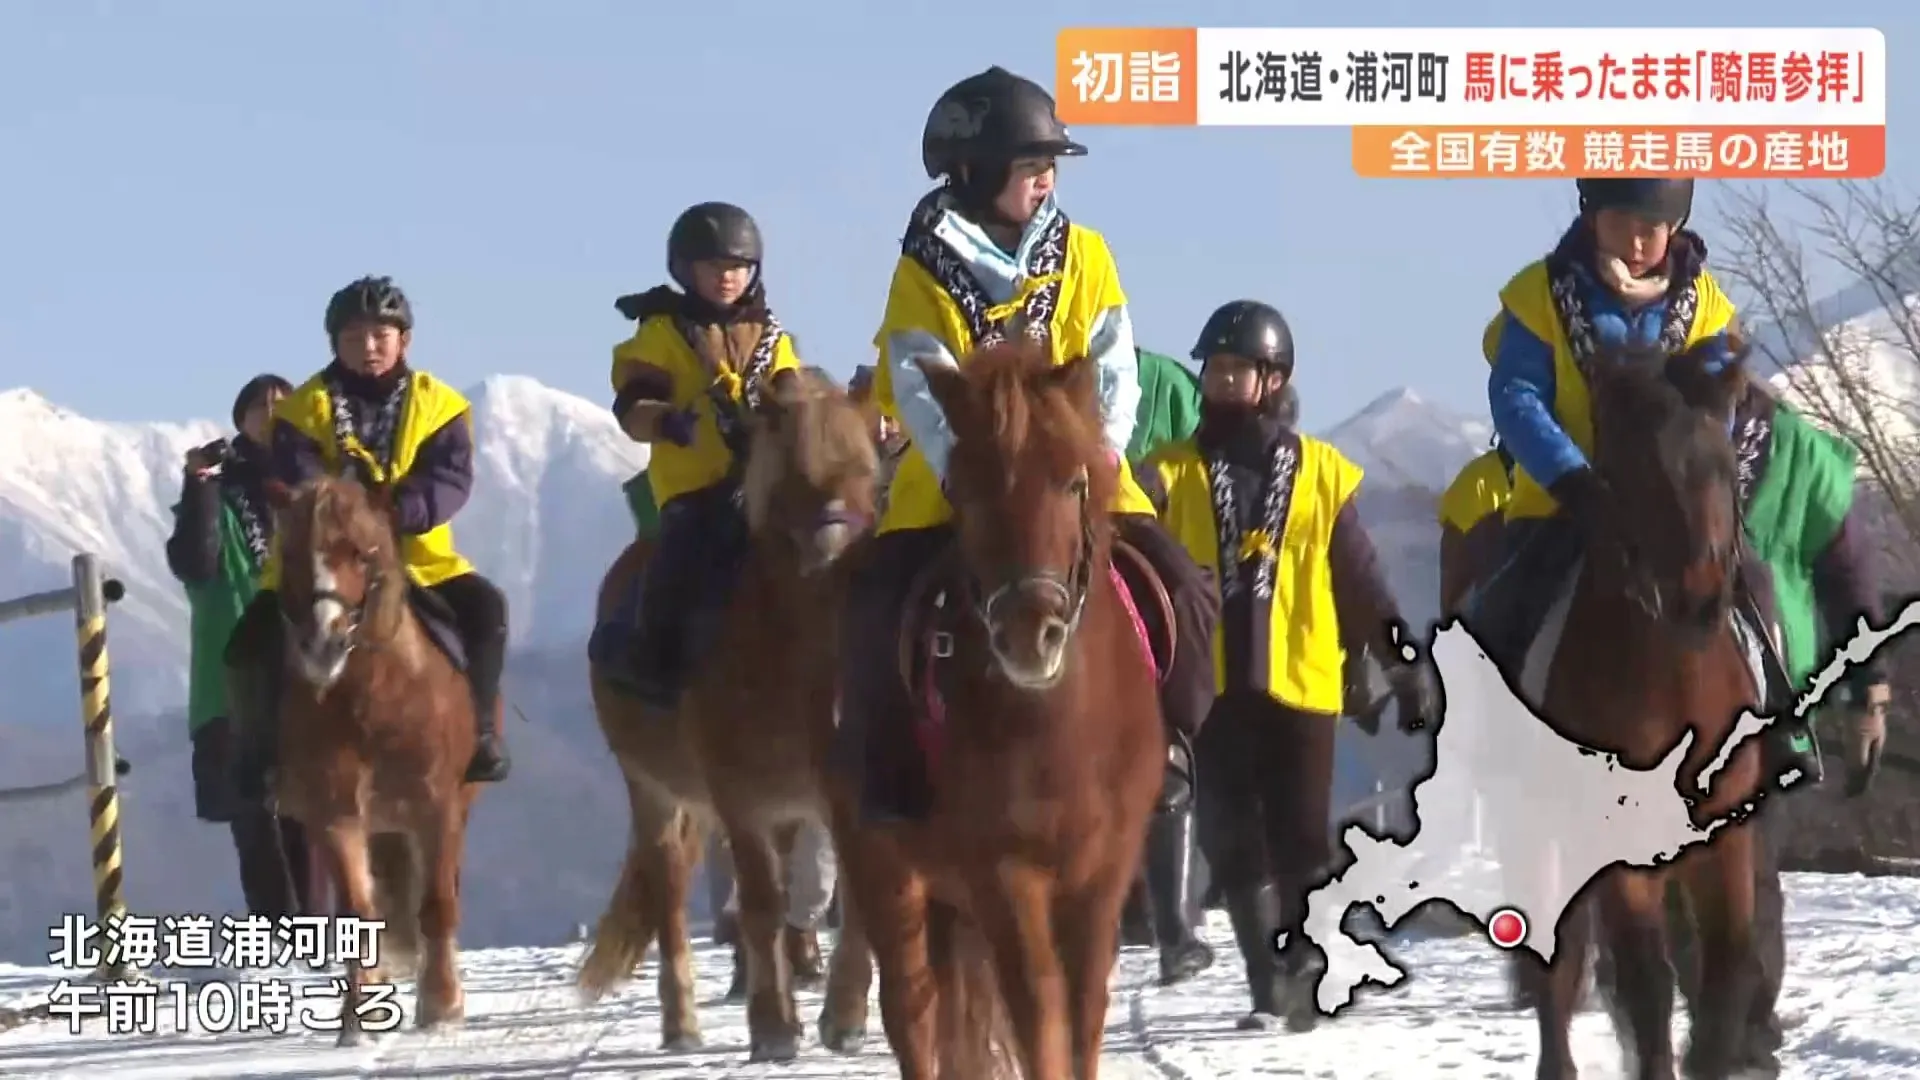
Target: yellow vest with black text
677,470
430,557
916,301
1529,299
1480,489
1305,665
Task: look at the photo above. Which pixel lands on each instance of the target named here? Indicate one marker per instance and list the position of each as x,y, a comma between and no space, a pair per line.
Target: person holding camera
222,528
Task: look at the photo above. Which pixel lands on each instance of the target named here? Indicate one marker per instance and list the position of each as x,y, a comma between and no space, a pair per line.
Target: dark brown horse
1046,748
376,729
1649,652
747,747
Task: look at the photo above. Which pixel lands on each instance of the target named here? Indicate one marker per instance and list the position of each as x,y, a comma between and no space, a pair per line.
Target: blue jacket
1520,388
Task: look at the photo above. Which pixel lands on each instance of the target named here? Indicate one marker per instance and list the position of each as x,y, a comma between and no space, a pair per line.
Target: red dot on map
1507,928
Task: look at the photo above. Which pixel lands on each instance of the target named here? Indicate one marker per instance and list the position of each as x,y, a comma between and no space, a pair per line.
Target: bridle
1071,588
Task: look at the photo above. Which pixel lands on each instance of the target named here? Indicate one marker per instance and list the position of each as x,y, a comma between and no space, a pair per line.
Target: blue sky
182,191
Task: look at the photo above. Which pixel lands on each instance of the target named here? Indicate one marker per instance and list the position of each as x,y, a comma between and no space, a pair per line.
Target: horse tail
628,925
975,1036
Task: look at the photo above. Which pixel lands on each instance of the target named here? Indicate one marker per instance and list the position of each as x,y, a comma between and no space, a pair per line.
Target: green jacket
1169,403
646,516
1169,410
216,606
1793,514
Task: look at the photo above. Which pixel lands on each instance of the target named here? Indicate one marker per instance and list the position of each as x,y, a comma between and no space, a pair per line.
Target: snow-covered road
1853,999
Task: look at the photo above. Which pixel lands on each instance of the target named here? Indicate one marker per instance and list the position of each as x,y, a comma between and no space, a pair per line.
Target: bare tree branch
1851,363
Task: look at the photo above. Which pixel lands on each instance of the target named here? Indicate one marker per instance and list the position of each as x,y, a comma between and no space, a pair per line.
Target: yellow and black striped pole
96,712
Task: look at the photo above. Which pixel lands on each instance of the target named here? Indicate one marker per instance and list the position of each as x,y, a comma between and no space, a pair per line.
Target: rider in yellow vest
1270,512
702,356
988,254
1627,273
371,415
1472,515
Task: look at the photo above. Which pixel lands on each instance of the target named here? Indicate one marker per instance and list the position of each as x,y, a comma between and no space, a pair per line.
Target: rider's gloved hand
677,427
1416,695
1582,495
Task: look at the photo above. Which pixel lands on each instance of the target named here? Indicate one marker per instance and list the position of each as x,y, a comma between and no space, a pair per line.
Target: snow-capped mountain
547,517
1403,441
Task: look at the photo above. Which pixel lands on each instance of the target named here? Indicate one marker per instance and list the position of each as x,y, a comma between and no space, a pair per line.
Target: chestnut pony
375,737
994,920
1648,652
746,748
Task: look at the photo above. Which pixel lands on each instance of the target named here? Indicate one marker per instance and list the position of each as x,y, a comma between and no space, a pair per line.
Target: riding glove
1416,695
677,427
1582,495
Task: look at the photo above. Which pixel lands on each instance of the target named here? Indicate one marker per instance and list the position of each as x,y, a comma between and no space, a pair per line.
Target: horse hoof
1185,963
685,1042
1258,1021
451,1018
842,1040
779,1048
351,1037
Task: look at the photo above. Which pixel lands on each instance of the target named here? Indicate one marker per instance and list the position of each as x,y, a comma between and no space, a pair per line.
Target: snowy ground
1853,998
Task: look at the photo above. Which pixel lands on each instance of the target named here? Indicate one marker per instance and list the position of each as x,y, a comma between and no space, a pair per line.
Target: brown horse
747,746
1648,652
376,730
1046,747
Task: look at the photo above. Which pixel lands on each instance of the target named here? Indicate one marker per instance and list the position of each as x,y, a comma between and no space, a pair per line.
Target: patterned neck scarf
241,488
366,412
1260,546
1048,259
1686,255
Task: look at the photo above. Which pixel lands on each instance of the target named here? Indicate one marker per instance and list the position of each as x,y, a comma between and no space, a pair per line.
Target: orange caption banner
1127,75
1515,152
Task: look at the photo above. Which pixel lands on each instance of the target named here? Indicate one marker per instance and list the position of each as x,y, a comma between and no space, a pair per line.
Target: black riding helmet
1653,198
984,122
1251,329
370,298
711,230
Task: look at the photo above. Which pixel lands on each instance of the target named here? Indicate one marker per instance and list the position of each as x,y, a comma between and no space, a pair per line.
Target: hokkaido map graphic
1557,813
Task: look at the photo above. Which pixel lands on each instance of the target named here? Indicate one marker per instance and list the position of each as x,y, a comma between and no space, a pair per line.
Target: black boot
1255,913
1169,872
485,659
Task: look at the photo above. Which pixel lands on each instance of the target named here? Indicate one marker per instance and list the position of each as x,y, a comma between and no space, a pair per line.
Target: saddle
932,615
442,626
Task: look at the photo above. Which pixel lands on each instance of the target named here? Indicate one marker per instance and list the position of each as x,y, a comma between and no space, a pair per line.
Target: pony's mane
1027,414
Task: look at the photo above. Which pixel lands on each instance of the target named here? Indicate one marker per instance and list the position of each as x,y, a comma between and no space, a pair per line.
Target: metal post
96,712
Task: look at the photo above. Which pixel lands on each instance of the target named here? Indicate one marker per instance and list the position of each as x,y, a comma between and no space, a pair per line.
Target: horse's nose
1053,636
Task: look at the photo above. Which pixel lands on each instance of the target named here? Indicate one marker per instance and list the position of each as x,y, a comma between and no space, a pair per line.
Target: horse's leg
892,904
397,894
1720,892
843,1015
1087,930
443,1000
634,914
774,1029
1015,909
1633,923
681,846
346,843
1554,990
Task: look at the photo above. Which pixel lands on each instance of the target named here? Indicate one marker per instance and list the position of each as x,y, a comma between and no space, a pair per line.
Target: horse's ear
380,498
1079,380
279,495
944,381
